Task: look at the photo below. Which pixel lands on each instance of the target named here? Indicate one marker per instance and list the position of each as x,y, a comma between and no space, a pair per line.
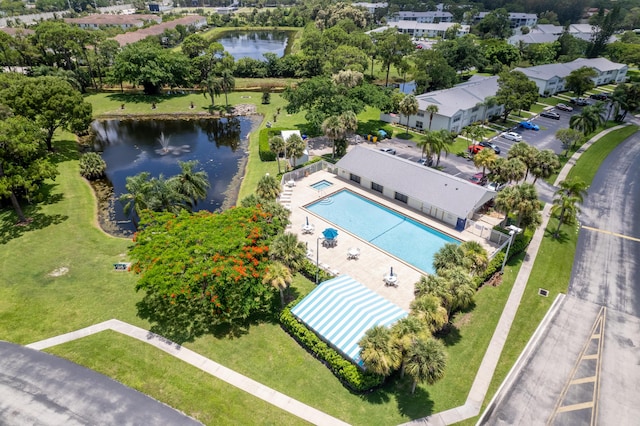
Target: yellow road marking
575,407
615,234
584,380
592,356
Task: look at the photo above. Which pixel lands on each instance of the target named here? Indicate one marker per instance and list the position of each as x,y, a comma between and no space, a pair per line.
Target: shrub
92,166
519,244
263,142
348,373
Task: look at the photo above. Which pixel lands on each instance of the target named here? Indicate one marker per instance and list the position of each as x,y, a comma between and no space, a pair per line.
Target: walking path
248,385
479,388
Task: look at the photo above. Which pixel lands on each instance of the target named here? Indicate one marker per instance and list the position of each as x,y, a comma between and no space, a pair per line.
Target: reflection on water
254,44
130,147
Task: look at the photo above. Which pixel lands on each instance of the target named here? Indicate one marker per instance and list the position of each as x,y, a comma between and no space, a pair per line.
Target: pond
131,147
254,44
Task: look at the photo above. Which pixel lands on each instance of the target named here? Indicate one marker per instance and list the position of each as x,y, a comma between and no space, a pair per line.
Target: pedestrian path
248,385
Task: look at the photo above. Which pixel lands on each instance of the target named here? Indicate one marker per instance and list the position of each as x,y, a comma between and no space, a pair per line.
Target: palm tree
279,277
213,88
486,158
473,132
296,147
574,188
567,197
379,352
408,106
92,166
506,201
426,362
488,103
268,187
428,308
350,123
449,255
405,331
287,249
431,109
525,153
546,164
227,83
276,145
475,256
334,129
193,185
588,120
460,286
137,197
527,206
514,170
165,196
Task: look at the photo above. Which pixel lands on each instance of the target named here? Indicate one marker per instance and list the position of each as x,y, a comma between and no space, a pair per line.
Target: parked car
512,136
580,101
388,150
495,186
550,114
493,146
599,96
478,179
474,149
427,161
529,125
564,107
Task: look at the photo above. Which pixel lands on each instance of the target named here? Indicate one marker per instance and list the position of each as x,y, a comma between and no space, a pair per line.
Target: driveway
585,368
38,388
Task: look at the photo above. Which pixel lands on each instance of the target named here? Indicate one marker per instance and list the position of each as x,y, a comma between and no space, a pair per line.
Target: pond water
253,44
131,147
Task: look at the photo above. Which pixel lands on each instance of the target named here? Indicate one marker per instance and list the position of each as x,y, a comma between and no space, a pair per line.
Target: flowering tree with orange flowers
204,269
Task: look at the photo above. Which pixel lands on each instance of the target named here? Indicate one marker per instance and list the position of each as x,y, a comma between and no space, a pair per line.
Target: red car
474,149
478,179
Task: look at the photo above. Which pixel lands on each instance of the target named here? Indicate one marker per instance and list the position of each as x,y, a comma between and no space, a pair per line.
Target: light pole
513,230
318,257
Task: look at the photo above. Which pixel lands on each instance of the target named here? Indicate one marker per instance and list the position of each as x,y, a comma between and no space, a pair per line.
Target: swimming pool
392,232
320,185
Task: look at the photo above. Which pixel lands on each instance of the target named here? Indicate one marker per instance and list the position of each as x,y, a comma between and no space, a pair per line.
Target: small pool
403,237
323,184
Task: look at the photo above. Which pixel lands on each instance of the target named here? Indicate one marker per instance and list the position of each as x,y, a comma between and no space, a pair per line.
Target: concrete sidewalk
248,385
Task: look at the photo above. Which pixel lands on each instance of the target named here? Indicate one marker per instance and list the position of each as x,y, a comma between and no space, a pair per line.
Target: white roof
460,97
449,193
286,134
425,26
548,71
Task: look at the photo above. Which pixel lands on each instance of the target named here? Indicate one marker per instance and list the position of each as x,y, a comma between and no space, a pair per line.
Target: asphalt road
585,369
40,389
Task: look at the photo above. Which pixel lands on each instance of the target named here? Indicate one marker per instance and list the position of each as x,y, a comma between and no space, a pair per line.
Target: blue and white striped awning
341,310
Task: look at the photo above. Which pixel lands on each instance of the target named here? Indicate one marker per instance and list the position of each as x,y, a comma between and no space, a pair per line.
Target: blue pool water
392,232
323,184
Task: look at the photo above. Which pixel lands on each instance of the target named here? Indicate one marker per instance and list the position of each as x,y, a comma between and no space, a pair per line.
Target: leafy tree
432,71
51,102
625,98
525,153
495,24
546,163
408,107
379,352
568,138
485,159
203,269
391,47
194,45
92,166
499,53
581,80
570,47
515,92
190,183
462,54
603,32
288,250
24,164
268,187
426,362
279,277
295,147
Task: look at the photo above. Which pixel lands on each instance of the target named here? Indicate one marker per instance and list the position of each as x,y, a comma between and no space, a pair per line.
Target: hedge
265,134
348,373
518,245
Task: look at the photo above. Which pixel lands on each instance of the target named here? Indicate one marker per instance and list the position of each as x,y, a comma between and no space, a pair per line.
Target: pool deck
373,263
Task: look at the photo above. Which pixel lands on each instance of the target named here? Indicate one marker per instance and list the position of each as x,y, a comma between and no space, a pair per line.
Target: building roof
449,193
435,14
16,31
548,71
548,29
132,37
108,19
426,26
460,97
533,38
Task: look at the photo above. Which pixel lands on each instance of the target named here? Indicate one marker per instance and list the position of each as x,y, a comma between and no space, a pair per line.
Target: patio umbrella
307,220
330,233
391,271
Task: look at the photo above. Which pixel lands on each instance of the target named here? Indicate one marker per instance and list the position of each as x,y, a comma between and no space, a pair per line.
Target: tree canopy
515,92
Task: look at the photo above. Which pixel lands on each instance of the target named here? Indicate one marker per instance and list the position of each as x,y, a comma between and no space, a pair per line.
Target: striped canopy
341,310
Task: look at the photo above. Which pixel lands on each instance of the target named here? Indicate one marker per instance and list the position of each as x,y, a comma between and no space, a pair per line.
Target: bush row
518,245
265,134
348,373
309,271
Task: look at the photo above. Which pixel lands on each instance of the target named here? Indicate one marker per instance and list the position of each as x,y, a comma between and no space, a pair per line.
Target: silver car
512,136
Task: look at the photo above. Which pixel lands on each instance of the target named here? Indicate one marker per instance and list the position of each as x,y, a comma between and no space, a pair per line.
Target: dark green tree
515,92
581,80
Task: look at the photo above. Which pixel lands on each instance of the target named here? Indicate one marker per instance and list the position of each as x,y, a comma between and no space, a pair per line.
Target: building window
377,187
474,109
354,178
420,114
401,197
456,119
419,125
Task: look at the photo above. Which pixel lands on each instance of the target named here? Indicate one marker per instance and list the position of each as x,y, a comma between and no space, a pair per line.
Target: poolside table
308,228
391,280
353,253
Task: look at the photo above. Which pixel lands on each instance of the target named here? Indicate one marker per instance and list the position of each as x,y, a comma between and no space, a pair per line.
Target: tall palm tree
514,170
334,129
473,132
190,183
431,109
276,145
486,158
227,83
574,188
588,120
268,187
566,208
279,277
350,123
379,352
213,88
448,256
428,308
475,256
546,164
405,331
287,249
527,205
426,363
506,201
460,286
408,106
137,197
488,103
296,147
165,196
525,153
